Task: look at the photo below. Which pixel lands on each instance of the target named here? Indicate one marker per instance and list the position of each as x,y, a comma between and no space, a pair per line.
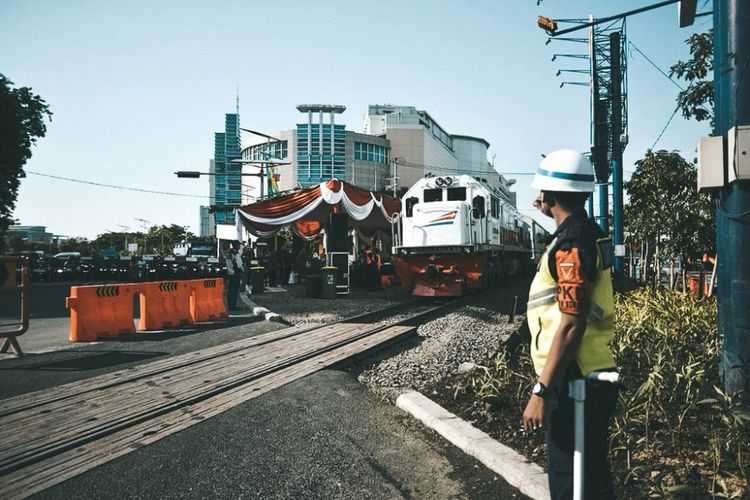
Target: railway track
52,435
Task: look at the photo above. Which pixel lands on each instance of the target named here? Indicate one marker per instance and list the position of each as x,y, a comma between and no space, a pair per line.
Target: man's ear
550,200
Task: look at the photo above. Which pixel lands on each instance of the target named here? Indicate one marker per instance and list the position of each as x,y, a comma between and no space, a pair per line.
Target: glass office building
321,147
227,185
321,153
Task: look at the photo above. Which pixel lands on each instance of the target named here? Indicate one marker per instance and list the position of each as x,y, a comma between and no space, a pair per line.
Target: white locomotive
457,233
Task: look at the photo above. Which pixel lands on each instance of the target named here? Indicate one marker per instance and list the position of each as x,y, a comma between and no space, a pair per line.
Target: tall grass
675,433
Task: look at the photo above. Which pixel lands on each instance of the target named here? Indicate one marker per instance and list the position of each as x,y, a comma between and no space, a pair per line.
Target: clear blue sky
138,88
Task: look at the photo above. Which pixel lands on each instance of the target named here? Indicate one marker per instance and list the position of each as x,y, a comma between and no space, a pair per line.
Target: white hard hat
565,170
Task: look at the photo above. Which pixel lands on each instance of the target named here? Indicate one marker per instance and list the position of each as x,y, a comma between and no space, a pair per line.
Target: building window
370,152
319,160
268,150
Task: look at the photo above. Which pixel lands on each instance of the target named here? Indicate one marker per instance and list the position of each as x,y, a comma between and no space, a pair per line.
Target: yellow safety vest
543,316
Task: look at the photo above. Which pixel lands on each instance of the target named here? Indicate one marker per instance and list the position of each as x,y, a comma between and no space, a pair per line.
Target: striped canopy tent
307,211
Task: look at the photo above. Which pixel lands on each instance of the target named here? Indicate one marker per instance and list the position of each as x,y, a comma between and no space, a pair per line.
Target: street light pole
126,228
144,224
261,164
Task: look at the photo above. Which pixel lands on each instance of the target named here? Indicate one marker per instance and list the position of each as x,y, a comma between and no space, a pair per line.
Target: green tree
22,116
15,244
163,238
665,208
111,240
697,100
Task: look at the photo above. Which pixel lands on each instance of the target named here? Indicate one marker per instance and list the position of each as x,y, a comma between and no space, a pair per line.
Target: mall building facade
398,142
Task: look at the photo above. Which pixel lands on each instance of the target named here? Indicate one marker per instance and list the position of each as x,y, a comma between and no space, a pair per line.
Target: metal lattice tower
609,114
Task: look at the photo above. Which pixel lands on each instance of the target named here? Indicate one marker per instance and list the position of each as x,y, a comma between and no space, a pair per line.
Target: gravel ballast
456,342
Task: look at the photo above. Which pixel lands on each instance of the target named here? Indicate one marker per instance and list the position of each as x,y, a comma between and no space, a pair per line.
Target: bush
675,433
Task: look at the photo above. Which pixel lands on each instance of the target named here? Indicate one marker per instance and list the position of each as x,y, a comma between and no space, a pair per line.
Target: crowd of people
282,267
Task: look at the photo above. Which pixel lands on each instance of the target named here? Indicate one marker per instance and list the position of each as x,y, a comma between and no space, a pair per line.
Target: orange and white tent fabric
308,210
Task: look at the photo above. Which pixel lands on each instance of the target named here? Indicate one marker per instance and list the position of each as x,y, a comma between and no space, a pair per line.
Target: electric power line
456,171
92,183
655,66
665,127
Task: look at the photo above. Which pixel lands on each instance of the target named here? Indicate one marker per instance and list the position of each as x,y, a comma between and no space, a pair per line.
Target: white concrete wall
471,154
407,143
438,158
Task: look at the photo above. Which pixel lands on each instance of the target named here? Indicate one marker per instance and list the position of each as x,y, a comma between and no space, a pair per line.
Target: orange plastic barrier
165,304
100,311
700,284
207,300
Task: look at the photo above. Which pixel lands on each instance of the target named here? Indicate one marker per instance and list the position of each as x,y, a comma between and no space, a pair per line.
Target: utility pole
732,108
609,100
394,179
618,142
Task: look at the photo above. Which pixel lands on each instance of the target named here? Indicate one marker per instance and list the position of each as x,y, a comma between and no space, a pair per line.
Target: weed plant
675,434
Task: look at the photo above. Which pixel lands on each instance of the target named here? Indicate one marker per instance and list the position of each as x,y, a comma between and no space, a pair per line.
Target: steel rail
39,453
200,359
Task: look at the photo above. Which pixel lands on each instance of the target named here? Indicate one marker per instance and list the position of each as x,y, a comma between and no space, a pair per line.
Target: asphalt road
323,436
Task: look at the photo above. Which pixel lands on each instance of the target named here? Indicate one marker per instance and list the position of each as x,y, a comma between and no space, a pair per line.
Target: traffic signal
686,12
188,174
547,24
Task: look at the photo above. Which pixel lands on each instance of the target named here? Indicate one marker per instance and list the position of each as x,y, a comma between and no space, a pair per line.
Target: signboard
213,260
132,247
109,252
226,232
169,258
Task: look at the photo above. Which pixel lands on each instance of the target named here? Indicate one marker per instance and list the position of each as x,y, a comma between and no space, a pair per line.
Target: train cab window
410,202
457,194
477,207
495,207
433,195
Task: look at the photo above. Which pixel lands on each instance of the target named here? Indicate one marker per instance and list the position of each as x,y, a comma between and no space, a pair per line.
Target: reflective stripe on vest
543,316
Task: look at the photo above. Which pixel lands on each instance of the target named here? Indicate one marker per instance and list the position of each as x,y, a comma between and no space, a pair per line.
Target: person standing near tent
371,268
234,274
570,315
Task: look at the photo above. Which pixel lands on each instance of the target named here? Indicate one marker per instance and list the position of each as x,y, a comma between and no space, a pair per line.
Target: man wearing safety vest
570,315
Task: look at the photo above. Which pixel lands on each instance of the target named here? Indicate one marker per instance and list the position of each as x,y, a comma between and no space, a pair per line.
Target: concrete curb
262,311
529,478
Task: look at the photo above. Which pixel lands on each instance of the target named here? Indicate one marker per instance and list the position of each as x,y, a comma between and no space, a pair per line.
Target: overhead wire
663,73
665,127
452,170
655,66
113,186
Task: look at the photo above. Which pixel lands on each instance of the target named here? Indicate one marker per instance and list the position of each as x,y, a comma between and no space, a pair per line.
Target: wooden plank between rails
73,417
54,470
94,383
